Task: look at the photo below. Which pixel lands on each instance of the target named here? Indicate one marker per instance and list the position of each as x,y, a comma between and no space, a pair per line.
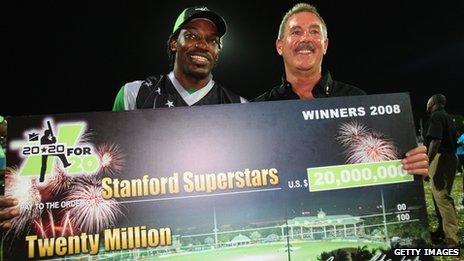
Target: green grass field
275,251
456,194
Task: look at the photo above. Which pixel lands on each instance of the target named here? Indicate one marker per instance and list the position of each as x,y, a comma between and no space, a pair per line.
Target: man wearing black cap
193,48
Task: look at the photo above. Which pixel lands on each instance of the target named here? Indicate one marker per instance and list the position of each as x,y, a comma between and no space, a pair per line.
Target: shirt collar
323,88
193,98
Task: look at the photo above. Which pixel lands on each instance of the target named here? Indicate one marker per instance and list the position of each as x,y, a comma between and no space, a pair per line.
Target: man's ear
173,44
279,46
326,45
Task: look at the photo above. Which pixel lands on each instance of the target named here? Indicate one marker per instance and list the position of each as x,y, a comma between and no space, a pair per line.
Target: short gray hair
299,8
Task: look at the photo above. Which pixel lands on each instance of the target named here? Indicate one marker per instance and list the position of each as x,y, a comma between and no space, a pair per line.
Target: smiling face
304,42
197,48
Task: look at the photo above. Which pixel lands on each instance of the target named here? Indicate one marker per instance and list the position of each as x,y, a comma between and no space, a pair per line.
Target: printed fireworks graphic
363,144
89,212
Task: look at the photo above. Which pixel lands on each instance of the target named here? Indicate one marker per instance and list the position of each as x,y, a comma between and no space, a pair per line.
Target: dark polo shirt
326,87
442,127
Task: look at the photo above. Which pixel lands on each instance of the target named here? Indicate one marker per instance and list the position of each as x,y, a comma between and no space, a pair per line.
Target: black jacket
155,91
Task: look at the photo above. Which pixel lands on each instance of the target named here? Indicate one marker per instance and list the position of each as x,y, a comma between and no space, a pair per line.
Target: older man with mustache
302,42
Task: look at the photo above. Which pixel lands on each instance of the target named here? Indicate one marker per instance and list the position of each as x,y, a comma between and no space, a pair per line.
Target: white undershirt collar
193,98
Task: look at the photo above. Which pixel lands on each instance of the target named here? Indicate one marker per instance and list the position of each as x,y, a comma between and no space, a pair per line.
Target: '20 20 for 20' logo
64,143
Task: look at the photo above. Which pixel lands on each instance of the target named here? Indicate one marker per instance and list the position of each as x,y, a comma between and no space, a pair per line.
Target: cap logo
201,9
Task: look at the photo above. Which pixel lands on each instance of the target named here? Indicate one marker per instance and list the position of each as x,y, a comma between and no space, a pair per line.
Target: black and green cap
200,12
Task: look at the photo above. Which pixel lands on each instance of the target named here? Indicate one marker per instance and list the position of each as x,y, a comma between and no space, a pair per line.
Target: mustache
305,46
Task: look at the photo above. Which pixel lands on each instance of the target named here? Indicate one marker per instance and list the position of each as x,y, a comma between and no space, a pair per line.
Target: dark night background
73,56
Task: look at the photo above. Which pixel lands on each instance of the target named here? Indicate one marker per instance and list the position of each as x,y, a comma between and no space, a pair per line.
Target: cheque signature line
198,196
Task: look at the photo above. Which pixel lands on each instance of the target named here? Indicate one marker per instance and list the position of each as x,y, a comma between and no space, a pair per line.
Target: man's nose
201,43
306,36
